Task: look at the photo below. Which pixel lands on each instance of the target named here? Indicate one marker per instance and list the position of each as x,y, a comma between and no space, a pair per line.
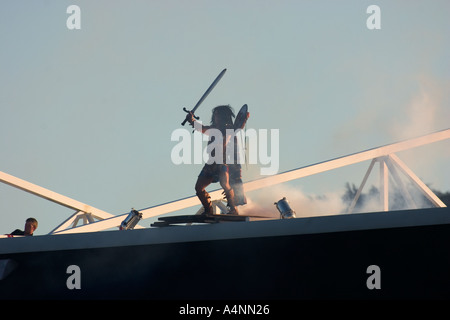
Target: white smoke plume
262,202
426,112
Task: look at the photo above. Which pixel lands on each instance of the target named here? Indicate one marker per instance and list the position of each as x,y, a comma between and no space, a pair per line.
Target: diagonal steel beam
51,196
273,180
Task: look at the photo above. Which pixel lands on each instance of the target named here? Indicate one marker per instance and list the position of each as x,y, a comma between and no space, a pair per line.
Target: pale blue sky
89,113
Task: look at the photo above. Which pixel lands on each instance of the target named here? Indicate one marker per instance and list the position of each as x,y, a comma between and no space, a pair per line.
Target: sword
204,95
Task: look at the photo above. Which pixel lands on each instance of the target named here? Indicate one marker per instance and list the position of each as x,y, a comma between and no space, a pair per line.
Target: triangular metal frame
392,164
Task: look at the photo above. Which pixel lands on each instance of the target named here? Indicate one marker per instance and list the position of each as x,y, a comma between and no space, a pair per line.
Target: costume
217,172
227,172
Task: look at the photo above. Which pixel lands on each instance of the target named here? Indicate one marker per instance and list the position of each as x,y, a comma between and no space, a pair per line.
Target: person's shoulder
17,232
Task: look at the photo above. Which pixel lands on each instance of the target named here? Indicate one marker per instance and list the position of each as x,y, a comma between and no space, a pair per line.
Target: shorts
213,171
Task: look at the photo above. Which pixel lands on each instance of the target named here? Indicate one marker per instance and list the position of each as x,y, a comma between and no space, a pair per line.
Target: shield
241,117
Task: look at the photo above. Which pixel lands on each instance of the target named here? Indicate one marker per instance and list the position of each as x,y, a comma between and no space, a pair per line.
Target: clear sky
89,113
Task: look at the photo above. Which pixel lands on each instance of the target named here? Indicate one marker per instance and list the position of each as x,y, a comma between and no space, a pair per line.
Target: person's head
222,116
31,224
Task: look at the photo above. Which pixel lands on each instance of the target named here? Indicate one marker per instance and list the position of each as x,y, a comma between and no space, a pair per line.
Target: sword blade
209,90
205,94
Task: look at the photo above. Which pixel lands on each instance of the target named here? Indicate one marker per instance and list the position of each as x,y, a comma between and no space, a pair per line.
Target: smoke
261,202
425,112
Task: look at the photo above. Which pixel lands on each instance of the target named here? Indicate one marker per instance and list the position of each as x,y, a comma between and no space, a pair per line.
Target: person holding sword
219,169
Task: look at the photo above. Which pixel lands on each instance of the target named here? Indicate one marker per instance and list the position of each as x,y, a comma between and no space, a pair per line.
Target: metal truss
385,156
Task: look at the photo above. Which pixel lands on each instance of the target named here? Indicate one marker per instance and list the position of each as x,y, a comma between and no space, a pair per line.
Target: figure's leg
229,192
239,194
203,196
235,179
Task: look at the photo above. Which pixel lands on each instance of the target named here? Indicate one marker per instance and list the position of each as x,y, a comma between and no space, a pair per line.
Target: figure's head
222,116
30,225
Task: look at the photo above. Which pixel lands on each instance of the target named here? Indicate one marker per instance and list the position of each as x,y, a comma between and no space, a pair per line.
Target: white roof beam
273,180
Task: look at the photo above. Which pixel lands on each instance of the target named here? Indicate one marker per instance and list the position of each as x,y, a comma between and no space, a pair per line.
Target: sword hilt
187,111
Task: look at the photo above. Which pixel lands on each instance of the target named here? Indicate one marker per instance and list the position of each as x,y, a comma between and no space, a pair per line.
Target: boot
205,199
229,194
